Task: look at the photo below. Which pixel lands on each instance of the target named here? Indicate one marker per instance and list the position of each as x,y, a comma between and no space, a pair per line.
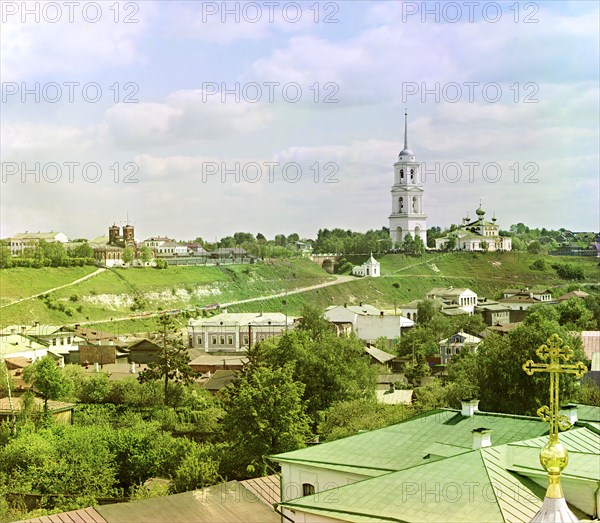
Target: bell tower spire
408,216
405,129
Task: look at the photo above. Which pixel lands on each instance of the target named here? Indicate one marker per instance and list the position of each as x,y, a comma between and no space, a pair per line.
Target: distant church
476,235
108,250
407,196
370,268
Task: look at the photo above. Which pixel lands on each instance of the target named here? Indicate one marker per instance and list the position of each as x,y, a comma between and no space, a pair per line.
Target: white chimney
481,438
570,411
469,406
96,367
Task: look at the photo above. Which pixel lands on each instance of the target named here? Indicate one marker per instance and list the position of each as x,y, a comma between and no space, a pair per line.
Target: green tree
146,254
6,380
199,468
349,417
173,361
47,379
82,250
574,315
425,311
265,415
128,255
6,260
503,384
535,247
451,243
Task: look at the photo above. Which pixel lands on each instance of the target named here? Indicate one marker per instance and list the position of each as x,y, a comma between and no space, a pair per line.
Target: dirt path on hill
338,280
74,282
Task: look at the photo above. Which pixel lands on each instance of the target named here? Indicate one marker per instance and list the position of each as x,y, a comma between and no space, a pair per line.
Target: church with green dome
475,235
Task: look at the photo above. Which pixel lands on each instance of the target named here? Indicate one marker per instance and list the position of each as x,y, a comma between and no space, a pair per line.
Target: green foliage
349,417
47,379
265,415
6,380
426,310
588,393
332,369
199,468
503,385
539,265
128,255
535,247
574,315
6,259
463,374
568,271
63,460
172,362
431,396
145,254
349,242
154,489
81,250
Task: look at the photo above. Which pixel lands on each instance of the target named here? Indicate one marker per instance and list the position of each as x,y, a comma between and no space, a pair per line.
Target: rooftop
406,444
244,318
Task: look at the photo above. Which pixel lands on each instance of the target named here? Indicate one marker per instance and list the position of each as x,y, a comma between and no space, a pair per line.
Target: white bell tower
407,196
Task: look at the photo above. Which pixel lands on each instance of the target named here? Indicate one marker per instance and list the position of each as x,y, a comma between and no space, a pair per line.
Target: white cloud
33,49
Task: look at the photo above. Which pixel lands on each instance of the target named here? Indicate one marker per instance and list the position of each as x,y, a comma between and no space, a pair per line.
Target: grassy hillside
22,282
113,293
406,278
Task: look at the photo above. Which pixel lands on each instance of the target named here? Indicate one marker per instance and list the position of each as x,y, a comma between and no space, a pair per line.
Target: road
338,280
74,282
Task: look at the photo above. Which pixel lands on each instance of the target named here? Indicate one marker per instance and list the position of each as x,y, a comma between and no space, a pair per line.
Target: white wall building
234,332
370,268
407,197
28,240
465,299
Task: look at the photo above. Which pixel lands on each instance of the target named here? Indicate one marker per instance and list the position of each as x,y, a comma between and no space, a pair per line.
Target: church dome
406,152
480,212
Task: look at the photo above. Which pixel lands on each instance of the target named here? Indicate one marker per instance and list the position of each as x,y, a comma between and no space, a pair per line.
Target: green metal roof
405,444
471,487
588,413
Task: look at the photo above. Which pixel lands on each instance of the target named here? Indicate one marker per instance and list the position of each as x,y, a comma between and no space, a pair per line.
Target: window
200,340
308,489
213,340
229,340
245,339
222,340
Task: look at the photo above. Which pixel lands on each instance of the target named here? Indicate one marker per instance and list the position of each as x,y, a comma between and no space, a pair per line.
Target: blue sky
512,110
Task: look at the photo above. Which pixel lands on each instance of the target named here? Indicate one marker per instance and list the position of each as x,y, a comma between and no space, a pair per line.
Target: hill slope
120,293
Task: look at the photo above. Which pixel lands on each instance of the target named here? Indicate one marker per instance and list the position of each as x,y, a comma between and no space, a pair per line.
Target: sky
205,118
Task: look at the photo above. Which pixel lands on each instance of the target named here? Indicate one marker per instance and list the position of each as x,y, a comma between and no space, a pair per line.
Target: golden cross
554,456
555,352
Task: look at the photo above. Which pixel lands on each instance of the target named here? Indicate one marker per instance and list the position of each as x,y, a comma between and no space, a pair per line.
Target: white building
370,268
407,215
28,240
234,332
475,235
368,323
464,299
455,344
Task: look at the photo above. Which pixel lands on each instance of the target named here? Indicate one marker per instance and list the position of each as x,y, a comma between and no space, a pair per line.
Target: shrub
539,265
